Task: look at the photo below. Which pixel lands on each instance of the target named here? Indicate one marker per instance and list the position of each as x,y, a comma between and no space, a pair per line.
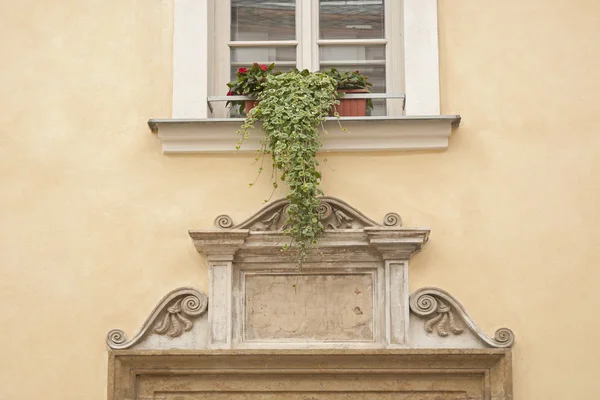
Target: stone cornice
213,135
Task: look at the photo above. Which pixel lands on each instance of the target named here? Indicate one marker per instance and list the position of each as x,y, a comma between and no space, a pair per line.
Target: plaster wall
94,219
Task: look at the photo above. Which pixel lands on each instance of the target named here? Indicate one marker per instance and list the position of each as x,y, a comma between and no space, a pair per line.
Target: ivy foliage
292,108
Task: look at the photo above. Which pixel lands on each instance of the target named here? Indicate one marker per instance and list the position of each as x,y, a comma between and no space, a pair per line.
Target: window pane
351,19
352,54
263,20
283,57
369,60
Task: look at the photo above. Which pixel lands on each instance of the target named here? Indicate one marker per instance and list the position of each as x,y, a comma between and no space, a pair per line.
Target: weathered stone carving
173,313
349,236
223,221
174,317
335,215
308,307
351,296
440,306
392,219
443,320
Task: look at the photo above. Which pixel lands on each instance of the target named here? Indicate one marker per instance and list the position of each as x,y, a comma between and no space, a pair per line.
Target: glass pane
283,57
351,19
263,20
281,68
352,53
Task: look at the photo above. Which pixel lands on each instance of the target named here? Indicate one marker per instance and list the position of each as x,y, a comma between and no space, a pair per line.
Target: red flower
230,93
263,67
242,70
357,72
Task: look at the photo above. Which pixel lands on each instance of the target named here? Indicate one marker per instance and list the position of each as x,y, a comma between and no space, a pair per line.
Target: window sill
363,134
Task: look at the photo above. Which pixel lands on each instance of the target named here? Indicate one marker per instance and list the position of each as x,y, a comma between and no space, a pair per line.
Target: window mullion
301,45
306,34
315,65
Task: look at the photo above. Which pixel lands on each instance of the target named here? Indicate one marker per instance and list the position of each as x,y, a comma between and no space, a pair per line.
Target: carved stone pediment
335,215
349,236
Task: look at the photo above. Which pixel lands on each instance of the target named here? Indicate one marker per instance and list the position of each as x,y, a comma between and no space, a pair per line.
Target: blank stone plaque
311,307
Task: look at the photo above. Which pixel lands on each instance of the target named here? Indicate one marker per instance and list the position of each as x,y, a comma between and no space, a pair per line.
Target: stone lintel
302,374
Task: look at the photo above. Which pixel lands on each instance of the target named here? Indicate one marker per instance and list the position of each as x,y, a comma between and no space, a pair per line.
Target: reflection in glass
369,60
253,20
278,67
283,57
344,54
351,19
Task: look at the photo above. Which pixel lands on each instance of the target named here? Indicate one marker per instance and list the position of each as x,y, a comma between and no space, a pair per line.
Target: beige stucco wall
93,218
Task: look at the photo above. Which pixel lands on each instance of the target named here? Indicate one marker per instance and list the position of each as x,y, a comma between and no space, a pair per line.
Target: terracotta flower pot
352,107
249,105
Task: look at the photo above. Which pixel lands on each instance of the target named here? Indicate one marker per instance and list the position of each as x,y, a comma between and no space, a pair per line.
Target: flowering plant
249,82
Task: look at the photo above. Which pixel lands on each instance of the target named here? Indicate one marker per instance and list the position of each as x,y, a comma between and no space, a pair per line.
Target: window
312,34
394,42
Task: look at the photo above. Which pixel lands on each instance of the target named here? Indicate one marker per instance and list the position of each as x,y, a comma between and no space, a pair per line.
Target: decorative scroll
443,320
335,215
440,308
172,316
392,219
223,221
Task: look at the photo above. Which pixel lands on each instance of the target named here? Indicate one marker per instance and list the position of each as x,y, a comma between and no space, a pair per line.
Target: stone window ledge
363,134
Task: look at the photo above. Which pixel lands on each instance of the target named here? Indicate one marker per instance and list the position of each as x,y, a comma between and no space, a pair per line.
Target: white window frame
201,56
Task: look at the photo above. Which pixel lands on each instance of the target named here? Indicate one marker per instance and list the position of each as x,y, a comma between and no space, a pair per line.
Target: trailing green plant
292,107
350,80
249,82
